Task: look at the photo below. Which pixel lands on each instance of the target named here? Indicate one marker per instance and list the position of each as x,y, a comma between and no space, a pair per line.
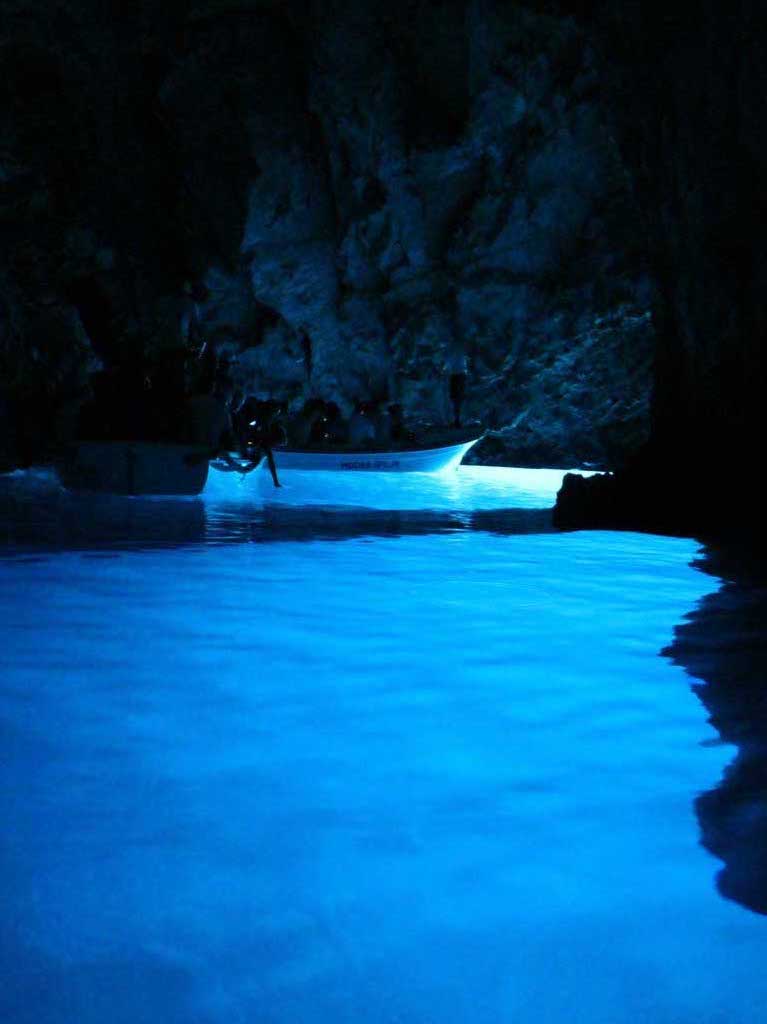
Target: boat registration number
379,464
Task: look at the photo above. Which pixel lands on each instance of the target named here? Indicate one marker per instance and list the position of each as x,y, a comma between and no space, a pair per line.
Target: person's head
313,408
396,413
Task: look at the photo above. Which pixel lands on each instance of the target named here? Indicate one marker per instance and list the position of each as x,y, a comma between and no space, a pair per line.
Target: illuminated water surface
413,758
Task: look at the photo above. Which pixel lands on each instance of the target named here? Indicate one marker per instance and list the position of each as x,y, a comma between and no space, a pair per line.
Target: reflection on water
36,513
723,644
397,755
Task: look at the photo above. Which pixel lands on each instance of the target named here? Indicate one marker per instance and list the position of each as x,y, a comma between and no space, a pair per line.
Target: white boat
433,459
133,467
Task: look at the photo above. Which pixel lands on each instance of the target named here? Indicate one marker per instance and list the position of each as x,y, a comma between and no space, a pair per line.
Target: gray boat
134,467
427,458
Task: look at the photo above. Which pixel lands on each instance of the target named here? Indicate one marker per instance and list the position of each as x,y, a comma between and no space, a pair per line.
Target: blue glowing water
412,759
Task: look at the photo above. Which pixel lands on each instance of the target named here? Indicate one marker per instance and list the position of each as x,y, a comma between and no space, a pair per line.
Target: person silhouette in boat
210,424
397,429
259,430
309,427
457,368
362,430
335,431
208,417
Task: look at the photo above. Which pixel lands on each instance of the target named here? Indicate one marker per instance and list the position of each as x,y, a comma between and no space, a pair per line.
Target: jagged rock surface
365,194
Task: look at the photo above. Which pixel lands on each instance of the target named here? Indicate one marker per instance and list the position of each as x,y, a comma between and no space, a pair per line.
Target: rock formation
343,196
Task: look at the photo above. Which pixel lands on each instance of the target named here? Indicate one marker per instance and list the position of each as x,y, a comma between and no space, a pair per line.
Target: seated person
308,426
336,432
259,429
209,422
362,431
398,430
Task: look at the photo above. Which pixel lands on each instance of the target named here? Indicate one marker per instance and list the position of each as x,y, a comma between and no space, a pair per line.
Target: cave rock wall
359,198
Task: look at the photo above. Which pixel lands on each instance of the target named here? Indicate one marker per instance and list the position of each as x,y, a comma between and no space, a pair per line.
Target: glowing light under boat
467,487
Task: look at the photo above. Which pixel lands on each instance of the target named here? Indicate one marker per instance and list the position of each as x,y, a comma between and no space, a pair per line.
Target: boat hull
422,460
134,467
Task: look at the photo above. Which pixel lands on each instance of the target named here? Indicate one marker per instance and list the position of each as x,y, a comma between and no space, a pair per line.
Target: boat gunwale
368,452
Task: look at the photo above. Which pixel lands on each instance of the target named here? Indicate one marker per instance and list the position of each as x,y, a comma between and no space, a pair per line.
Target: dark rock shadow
723,645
